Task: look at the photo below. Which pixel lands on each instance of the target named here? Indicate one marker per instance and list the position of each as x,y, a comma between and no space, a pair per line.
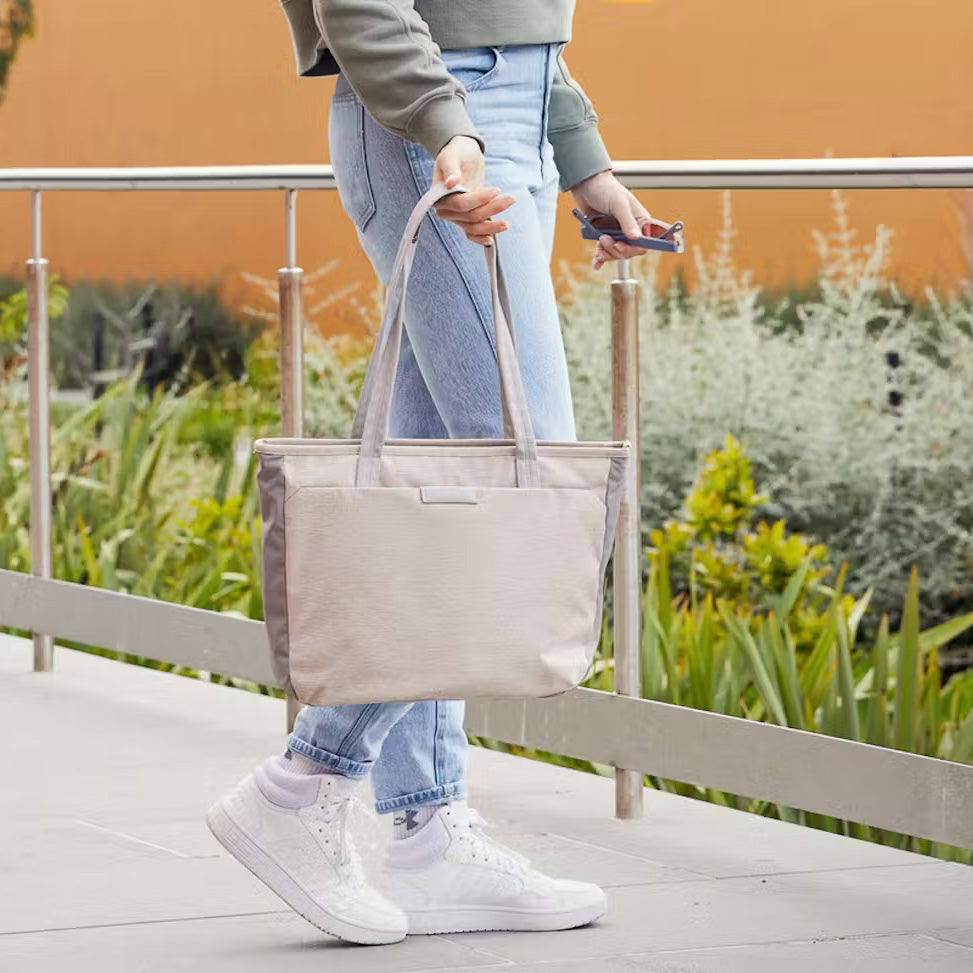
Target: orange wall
116,82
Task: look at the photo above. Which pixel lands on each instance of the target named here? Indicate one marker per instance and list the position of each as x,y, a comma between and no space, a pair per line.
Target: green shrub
883,485
710,655
719,548
197,337
737,619
334,369
13,322
124,492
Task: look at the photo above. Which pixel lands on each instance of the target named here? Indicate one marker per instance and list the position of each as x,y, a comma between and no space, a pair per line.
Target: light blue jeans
447,384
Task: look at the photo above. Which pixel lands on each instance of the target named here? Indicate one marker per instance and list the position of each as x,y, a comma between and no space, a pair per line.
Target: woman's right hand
460,163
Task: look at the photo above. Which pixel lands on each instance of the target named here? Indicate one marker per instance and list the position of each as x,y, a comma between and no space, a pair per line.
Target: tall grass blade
906,701
792,592
785,657
931,724
877,700
849,707
769,694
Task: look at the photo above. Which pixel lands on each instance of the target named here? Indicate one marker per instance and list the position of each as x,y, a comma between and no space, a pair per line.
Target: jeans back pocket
346,137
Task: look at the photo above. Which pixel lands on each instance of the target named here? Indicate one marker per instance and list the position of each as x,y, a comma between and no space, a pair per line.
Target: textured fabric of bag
435,569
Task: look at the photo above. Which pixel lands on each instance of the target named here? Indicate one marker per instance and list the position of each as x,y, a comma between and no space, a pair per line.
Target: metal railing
885,788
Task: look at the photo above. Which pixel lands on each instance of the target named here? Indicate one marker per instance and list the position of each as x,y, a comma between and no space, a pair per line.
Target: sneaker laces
342,809
489,848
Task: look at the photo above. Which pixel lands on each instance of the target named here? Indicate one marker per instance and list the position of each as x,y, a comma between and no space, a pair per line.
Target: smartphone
670,240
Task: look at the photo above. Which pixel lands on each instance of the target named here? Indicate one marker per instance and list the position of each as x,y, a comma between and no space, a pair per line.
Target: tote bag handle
374,407
405,251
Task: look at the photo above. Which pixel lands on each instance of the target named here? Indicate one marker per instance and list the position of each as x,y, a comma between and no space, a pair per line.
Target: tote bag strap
385,356
406,250
372,418
392,295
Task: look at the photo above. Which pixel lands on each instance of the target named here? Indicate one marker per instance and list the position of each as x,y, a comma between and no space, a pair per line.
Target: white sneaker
450,877
306,855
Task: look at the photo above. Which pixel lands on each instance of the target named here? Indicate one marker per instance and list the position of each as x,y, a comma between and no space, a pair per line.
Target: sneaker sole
246,851
441,922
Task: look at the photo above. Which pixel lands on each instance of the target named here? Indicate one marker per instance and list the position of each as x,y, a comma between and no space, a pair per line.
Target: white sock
297,763
409,821
291,780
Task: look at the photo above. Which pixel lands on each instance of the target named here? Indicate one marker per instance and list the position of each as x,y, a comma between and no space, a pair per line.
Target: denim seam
351,768
464,274
545,115
437,742
431,795
355,731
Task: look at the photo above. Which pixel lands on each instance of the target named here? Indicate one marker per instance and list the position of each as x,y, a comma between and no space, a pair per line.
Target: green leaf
877,718
88,556
939,635
817,672
793,590
148,467
651,657
962,749
906,701
785,657
849,708
858,610
769,693
223,481
931,707
668,652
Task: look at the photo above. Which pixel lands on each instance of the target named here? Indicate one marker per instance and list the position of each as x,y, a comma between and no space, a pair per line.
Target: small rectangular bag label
449,494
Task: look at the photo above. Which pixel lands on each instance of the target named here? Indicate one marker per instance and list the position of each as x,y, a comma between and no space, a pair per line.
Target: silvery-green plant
858,419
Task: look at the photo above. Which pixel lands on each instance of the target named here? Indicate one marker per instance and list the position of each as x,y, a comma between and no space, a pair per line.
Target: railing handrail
910,172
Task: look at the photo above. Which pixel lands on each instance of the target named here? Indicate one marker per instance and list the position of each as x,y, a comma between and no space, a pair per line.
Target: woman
472,93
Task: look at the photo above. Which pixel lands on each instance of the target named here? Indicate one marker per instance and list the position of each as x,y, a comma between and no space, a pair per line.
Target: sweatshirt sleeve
572,129
389,58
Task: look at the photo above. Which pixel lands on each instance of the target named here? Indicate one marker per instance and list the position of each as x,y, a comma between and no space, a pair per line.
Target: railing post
627,563
38,368
290,290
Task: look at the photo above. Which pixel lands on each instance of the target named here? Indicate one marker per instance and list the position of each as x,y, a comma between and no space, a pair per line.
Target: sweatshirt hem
453,23
438,120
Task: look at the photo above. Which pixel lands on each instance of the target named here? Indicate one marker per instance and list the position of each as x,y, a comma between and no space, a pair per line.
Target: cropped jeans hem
340,765
432,795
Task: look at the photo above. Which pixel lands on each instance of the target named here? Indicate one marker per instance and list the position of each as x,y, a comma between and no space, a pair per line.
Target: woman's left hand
603,194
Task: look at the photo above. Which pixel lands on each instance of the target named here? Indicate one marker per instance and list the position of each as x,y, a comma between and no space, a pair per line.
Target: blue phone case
669,242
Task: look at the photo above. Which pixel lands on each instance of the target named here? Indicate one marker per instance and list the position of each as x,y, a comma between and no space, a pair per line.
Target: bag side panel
272,483
614,493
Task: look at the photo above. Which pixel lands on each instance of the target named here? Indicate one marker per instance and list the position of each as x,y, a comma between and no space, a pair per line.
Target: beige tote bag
435,569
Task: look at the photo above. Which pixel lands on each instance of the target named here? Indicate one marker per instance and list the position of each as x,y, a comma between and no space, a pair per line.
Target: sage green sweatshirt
389,52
